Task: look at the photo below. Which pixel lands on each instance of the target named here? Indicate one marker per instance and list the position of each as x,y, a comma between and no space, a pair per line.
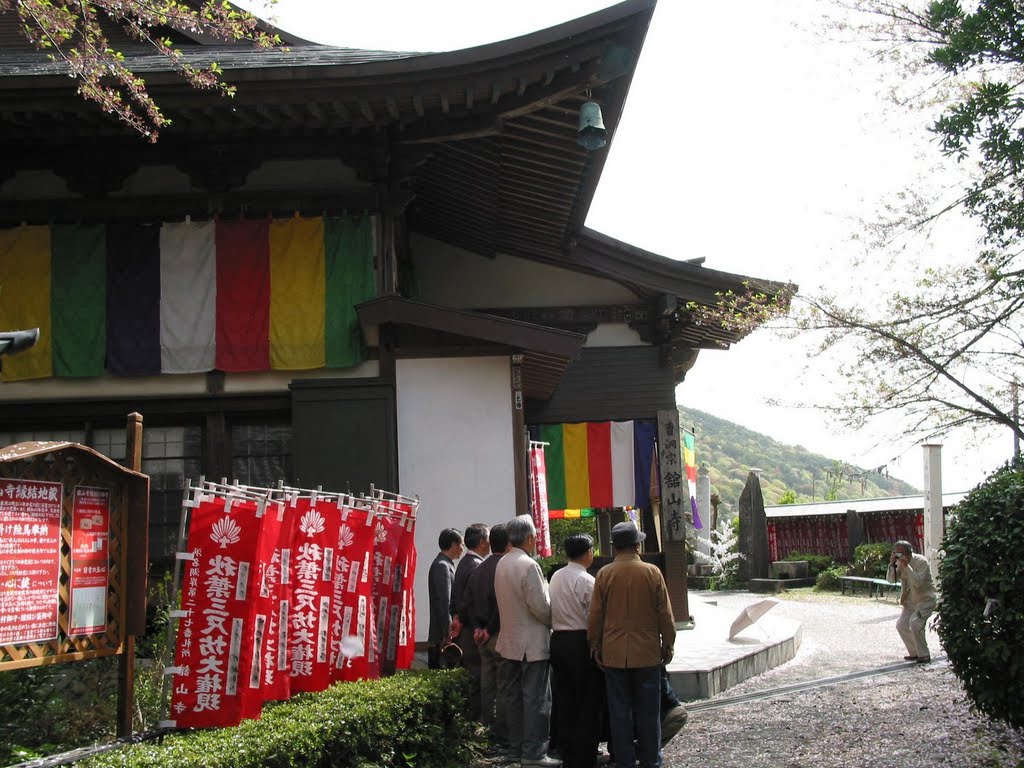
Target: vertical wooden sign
670,459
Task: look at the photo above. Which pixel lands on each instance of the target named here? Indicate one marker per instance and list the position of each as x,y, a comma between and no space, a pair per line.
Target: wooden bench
874,587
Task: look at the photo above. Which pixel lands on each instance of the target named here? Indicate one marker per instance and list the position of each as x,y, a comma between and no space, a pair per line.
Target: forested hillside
731,451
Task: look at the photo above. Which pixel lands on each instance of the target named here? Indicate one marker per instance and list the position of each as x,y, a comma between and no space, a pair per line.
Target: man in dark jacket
440,580
477,548
485,624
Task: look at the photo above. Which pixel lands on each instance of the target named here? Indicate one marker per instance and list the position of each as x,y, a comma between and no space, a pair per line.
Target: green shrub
872,560
829,578
411,719
562,528
982,562
816,563
53,708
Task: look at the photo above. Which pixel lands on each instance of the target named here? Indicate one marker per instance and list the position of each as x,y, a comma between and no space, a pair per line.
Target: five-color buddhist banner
137,299
595,465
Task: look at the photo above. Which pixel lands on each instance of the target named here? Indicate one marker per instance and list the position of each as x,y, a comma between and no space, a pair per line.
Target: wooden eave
23,451
482,141
546,352
484,138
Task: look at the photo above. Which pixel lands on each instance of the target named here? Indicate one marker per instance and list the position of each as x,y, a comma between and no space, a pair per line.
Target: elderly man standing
632,632
440,580
917,596
524,644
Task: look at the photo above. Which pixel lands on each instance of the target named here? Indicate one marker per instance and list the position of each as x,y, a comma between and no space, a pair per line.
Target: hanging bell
591,134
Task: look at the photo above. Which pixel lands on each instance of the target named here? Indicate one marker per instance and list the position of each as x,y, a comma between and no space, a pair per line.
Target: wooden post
673,519
126,660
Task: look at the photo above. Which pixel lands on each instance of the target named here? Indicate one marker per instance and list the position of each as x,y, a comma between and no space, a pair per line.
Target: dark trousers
668,694
433,656
578,700
525,688
471,663
634,699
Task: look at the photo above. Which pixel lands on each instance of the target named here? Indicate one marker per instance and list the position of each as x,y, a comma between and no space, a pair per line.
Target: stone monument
753,540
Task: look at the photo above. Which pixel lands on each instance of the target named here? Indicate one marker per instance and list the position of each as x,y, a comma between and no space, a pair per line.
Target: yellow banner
577,470
25,299
297,290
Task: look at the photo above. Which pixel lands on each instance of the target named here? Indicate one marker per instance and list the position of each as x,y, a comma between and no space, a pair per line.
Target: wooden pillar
604,532
126,659
519,438
673,517
933,512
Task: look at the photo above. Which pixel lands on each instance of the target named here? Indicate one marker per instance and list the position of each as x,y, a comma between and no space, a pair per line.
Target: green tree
788,497
73,33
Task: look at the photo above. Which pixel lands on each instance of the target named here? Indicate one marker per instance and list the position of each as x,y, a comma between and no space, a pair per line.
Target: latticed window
170,456
261,454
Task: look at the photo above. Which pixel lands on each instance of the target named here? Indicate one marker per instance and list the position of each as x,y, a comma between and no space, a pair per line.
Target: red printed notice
90,560
29,560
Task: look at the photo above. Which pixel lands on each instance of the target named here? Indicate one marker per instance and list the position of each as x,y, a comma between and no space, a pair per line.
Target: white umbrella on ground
750,614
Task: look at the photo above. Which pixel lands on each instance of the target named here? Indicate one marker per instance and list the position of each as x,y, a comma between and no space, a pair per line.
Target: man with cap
632,633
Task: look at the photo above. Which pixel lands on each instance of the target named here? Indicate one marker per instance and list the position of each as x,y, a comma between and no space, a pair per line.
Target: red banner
90,560
314,545
30,513
407,630
285,597
272,601
353,596
215,639
539,498
387,588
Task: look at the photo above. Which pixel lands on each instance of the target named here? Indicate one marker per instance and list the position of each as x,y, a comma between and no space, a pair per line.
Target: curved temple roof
478,146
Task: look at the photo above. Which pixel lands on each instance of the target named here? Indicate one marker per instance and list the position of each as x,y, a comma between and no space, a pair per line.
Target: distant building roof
883,504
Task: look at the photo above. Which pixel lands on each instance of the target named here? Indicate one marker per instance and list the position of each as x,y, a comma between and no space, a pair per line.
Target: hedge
411,719
981,614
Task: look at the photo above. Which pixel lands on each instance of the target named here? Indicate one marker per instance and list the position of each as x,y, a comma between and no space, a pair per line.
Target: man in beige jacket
632,632
524,643
917,596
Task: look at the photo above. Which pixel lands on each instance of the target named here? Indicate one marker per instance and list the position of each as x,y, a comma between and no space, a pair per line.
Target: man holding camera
917,596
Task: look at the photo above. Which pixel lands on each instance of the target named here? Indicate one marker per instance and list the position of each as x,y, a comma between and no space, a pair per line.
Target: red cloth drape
819,535
896,526
243,295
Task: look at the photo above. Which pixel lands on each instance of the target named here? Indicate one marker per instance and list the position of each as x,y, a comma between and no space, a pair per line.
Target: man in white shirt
917,596
577,684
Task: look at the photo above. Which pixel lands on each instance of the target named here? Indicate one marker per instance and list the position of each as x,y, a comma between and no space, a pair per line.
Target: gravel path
916,717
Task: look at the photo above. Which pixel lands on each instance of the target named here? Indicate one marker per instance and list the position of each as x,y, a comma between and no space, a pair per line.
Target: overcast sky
750,138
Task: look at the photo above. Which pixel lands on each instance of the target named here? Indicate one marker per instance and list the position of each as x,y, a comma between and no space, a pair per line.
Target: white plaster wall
34,184
155,180
614,335
315,174
454,451
454,277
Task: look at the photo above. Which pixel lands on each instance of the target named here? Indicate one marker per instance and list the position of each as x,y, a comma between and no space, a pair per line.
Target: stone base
777,585
789,569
